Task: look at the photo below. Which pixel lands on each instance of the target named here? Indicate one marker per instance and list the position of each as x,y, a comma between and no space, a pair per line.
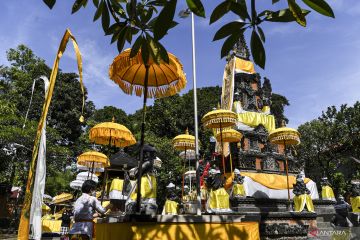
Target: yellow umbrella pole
287,176
106,172
222,147
92,169
183,177
138,196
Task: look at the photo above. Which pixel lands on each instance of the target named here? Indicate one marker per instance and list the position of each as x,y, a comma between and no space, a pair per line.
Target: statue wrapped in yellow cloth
148,183
302,196
237,189
218,201
326,191
171,204
355,197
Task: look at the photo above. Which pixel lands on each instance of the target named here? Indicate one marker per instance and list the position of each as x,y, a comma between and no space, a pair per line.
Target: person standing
85,209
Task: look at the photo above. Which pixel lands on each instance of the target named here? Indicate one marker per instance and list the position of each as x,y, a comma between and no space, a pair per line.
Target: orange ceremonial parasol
184,142
229,135
285,136
149,79
220,118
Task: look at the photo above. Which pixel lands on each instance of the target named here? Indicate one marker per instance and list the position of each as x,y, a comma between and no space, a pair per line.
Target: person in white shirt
85,209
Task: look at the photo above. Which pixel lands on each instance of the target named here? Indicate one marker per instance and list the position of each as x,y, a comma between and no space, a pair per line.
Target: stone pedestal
277,223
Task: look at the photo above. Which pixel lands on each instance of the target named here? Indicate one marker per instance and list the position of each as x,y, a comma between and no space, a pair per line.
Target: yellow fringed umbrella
220,118
149,79
229,135
164,79
93,159
62,198
111,133
184,142
285,136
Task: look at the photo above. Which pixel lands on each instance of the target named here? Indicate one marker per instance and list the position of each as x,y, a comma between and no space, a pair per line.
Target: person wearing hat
171,205
326,191
302,196
237,189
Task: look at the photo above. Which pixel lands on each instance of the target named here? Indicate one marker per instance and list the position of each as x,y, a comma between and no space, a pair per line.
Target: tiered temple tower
250,98
262,163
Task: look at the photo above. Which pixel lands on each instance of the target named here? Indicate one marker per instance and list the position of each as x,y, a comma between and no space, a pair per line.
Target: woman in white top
85,209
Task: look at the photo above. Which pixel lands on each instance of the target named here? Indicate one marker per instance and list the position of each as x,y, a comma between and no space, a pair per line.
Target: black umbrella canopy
122,160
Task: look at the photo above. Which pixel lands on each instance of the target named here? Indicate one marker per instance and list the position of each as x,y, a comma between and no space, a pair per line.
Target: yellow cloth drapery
219,199
52,226
245,66
171,207
238,189
23,229
148,189
273,181
253,119
117,184
355,204
327,193
302,200
178,230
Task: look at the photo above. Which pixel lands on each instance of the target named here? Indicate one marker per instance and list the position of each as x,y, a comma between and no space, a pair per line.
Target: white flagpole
39,183
198,211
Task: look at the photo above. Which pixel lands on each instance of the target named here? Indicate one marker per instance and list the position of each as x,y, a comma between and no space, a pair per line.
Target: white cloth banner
39,184
39,188
257,190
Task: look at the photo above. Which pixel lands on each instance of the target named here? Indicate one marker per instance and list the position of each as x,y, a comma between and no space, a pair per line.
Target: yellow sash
355,204
171,207
327,193
302,200
238,189
219,199
148,190
117,184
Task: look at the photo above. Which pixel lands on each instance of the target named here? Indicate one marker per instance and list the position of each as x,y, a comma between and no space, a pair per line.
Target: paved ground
8,236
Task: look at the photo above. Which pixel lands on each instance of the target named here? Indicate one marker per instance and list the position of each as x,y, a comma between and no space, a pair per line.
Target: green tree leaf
105,19
283,15
77,5
163,53
99,11
257,49
240,9
261,33
229,44
196,7
50,3
164,20
297,13
145,51
220,11
122,38
321,7
96,3
136,47
228,29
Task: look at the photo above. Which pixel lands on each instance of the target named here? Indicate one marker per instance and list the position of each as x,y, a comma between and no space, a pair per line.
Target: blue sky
314,67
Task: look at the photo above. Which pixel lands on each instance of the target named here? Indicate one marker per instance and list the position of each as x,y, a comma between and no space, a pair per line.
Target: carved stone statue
300,187
266,92
237,189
